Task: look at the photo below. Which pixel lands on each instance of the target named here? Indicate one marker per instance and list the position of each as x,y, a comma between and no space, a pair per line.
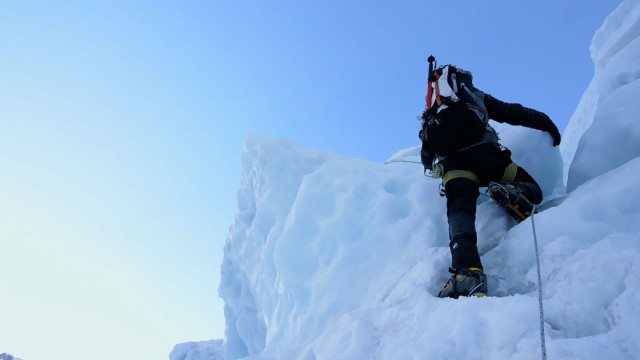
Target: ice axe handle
431,60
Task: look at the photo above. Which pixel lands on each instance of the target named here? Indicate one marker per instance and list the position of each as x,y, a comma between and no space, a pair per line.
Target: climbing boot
511,198
465,282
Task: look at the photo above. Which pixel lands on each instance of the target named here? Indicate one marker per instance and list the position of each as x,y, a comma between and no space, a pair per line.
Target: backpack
456,117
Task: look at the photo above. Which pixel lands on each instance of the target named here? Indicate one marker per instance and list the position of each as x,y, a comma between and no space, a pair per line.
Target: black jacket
503,112
516,114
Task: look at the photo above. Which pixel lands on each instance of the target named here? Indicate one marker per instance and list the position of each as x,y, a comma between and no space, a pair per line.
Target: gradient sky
123,122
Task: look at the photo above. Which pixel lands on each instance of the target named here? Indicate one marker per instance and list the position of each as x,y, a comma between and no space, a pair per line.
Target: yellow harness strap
510,172
508,176
455,174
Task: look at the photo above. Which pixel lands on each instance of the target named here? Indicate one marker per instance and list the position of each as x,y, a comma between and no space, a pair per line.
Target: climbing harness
510,172
455,174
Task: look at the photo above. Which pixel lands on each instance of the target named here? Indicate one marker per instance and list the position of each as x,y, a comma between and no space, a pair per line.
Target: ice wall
604,132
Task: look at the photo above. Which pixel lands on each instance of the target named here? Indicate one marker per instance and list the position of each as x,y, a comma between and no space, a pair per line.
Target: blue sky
123,125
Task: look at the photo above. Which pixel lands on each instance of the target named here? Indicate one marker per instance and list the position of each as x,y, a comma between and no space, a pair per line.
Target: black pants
488,162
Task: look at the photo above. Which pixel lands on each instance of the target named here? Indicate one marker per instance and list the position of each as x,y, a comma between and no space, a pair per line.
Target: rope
543,347
403,161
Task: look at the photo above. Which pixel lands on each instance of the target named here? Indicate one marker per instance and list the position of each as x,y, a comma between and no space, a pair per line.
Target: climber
460,146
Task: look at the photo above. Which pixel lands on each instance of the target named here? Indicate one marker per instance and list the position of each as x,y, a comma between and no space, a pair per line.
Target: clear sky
123,122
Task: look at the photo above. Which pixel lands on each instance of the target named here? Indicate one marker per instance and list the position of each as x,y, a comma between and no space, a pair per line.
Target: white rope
543,347
403,161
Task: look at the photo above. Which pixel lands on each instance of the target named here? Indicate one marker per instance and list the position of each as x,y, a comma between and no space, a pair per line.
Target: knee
531,191
461,207
461,195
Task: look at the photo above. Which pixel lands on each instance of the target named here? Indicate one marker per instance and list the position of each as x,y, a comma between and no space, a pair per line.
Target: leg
462,194
530,188
517,195
490,163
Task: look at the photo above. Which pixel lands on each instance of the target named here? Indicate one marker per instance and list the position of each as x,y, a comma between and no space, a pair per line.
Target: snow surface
332,257
609,108
209,350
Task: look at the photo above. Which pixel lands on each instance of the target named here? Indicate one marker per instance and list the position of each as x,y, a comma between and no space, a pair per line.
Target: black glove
555,134
426,157
427,115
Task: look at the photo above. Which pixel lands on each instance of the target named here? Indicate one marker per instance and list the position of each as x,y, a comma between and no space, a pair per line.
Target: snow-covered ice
332,257
603,133
209,350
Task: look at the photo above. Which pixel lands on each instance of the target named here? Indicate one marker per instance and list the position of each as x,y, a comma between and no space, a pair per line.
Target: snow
210,350
333,257
607,107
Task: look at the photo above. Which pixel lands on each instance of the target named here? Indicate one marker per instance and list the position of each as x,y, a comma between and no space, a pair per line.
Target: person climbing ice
459,146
